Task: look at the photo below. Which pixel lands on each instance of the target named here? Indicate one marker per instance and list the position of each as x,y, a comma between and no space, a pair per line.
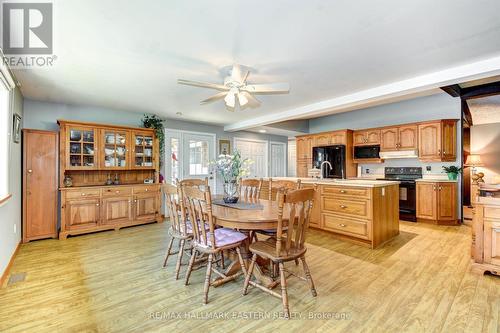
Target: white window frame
179,134
6,81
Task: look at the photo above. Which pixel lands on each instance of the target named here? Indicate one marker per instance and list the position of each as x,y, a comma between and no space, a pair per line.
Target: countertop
341,182
104,186
436,180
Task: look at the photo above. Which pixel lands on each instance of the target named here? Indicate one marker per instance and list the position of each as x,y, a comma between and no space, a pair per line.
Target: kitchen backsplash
374,170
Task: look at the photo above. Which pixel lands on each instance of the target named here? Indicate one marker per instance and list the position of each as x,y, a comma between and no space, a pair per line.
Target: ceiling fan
236,91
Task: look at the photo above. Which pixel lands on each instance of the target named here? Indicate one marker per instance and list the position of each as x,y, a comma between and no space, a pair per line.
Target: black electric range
407,190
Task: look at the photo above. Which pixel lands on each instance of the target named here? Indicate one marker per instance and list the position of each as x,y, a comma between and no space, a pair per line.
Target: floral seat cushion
224,237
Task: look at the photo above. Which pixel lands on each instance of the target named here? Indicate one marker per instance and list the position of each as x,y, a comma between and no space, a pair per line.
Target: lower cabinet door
82,213
492,243
447,206
145,206
427,201
116,210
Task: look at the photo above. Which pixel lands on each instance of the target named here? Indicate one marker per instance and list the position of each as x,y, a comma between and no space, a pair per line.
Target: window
198,157
6,85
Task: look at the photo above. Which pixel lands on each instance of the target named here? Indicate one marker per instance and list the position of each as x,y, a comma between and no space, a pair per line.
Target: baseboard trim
5,274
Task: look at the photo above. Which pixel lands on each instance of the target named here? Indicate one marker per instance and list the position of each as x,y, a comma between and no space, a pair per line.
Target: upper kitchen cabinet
323,139
304,146
399,138
366,137
437,140
79,147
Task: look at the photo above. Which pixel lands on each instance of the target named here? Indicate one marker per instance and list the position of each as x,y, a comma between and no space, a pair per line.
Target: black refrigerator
333,154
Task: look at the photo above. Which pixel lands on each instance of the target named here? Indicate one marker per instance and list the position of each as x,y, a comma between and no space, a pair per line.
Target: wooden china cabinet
114,176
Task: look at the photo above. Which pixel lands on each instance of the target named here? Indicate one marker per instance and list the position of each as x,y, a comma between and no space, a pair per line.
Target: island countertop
341,182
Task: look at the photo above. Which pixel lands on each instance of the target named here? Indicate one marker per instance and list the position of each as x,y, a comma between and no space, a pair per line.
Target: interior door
278,159
198,150
255,151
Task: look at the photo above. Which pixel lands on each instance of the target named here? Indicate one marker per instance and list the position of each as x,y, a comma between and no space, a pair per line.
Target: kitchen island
365,212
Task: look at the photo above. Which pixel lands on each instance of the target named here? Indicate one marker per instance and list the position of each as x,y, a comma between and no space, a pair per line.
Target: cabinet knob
342,225
440,188
343,206
434,187
97,204
30,171
146,190
342,191
83,194
117,192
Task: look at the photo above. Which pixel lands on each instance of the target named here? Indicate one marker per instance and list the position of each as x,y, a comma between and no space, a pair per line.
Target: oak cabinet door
389,139
427,201
115,149
143,150
82,213
302,168
449,140
492,243
447,206
145,207
116,210
359,138
429,141
81,150
304,148
322,140
315,210
338,138
373,137
408,137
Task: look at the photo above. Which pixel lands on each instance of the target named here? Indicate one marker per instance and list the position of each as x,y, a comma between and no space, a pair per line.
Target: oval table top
249,219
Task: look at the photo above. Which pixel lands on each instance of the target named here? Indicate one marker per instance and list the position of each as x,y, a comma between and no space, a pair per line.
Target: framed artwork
16,128
225,147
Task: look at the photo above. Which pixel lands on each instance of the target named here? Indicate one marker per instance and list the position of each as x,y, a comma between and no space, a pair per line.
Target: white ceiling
129,54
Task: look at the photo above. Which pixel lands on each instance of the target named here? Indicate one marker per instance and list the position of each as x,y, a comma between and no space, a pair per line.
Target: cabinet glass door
115,149
143,152
81,148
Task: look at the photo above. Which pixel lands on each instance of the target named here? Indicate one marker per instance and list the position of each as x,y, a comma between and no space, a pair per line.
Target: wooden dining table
245,221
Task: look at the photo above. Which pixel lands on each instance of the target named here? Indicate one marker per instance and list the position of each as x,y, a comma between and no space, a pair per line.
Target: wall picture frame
16,128
225,146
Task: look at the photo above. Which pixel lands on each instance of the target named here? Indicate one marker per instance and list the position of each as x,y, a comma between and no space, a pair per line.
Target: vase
231,192
452,176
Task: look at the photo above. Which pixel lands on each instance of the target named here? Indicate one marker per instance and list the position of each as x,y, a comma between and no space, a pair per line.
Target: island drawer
342,191
83,193
491,213
345,226
116,191
357,208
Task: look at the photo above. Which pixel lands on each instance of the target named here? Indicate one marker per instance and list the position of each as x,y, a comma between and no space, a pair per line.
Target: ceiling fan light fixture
242,99
230,99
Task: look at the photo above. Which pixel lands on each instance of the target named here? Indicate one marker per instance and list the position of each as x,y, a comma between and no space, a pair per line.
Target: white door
292,158
188,155
278,161
255,150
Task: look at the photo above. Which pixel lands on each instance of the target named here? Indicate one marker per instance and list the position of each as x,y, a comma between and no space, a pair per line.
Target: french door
188,155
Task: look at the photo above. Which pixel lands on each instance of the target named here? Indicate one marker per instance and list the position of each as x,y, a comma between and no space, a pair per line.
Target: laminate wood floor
113,282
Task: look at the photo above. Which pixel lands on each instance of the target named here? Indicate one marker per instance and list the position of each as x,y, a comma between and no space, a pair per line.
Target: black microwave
364,152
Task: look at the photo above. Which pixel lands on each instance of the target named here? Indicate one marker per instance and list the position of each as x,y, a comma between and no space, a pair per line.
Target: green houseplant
155,122
452,171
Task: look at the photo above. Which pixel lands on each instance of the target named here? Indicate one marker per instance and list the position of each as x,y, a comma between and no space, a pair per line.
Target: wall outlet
367,170
15,228
428,168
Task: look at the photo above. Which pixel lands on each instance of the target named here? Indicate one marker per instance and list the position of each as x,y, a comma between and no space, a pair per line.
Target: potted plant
452,171
155,122
232,168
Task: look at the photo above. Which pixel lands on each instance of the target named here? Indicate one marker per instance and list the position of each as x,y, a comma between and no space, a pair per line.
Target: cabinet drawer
346,191
84,193
348,207
116,191
345,226
146,189
491,213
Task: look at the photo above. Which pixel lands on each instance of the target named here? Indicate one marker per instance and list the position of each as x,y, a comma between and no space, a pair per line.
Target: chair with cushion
288,245
250,189
180,229
212,241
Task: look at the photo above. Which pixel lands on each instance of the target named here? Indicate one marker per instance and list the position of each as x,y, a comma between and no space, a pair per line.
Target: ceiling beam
484,90
466,113
415,86
454,90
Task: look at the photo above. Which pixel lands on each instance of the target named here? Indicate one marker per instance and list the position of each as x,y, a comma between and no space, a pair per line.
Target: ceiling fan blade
271,88
203,84
214,97
251,100
239,75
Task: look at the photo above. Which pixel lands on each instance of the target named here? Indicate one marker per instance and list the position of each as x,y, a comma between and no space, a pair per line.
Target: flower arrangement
232,168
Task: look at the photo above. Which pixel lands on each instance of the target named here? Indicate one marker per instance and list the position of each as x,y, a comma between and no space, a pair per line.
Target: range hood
411,153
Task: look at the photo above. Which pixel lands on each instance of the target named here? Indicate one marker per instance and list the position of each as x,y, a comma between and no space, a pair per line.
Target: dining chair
201,183
180,229
250,189
288,245
212,241
278,184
